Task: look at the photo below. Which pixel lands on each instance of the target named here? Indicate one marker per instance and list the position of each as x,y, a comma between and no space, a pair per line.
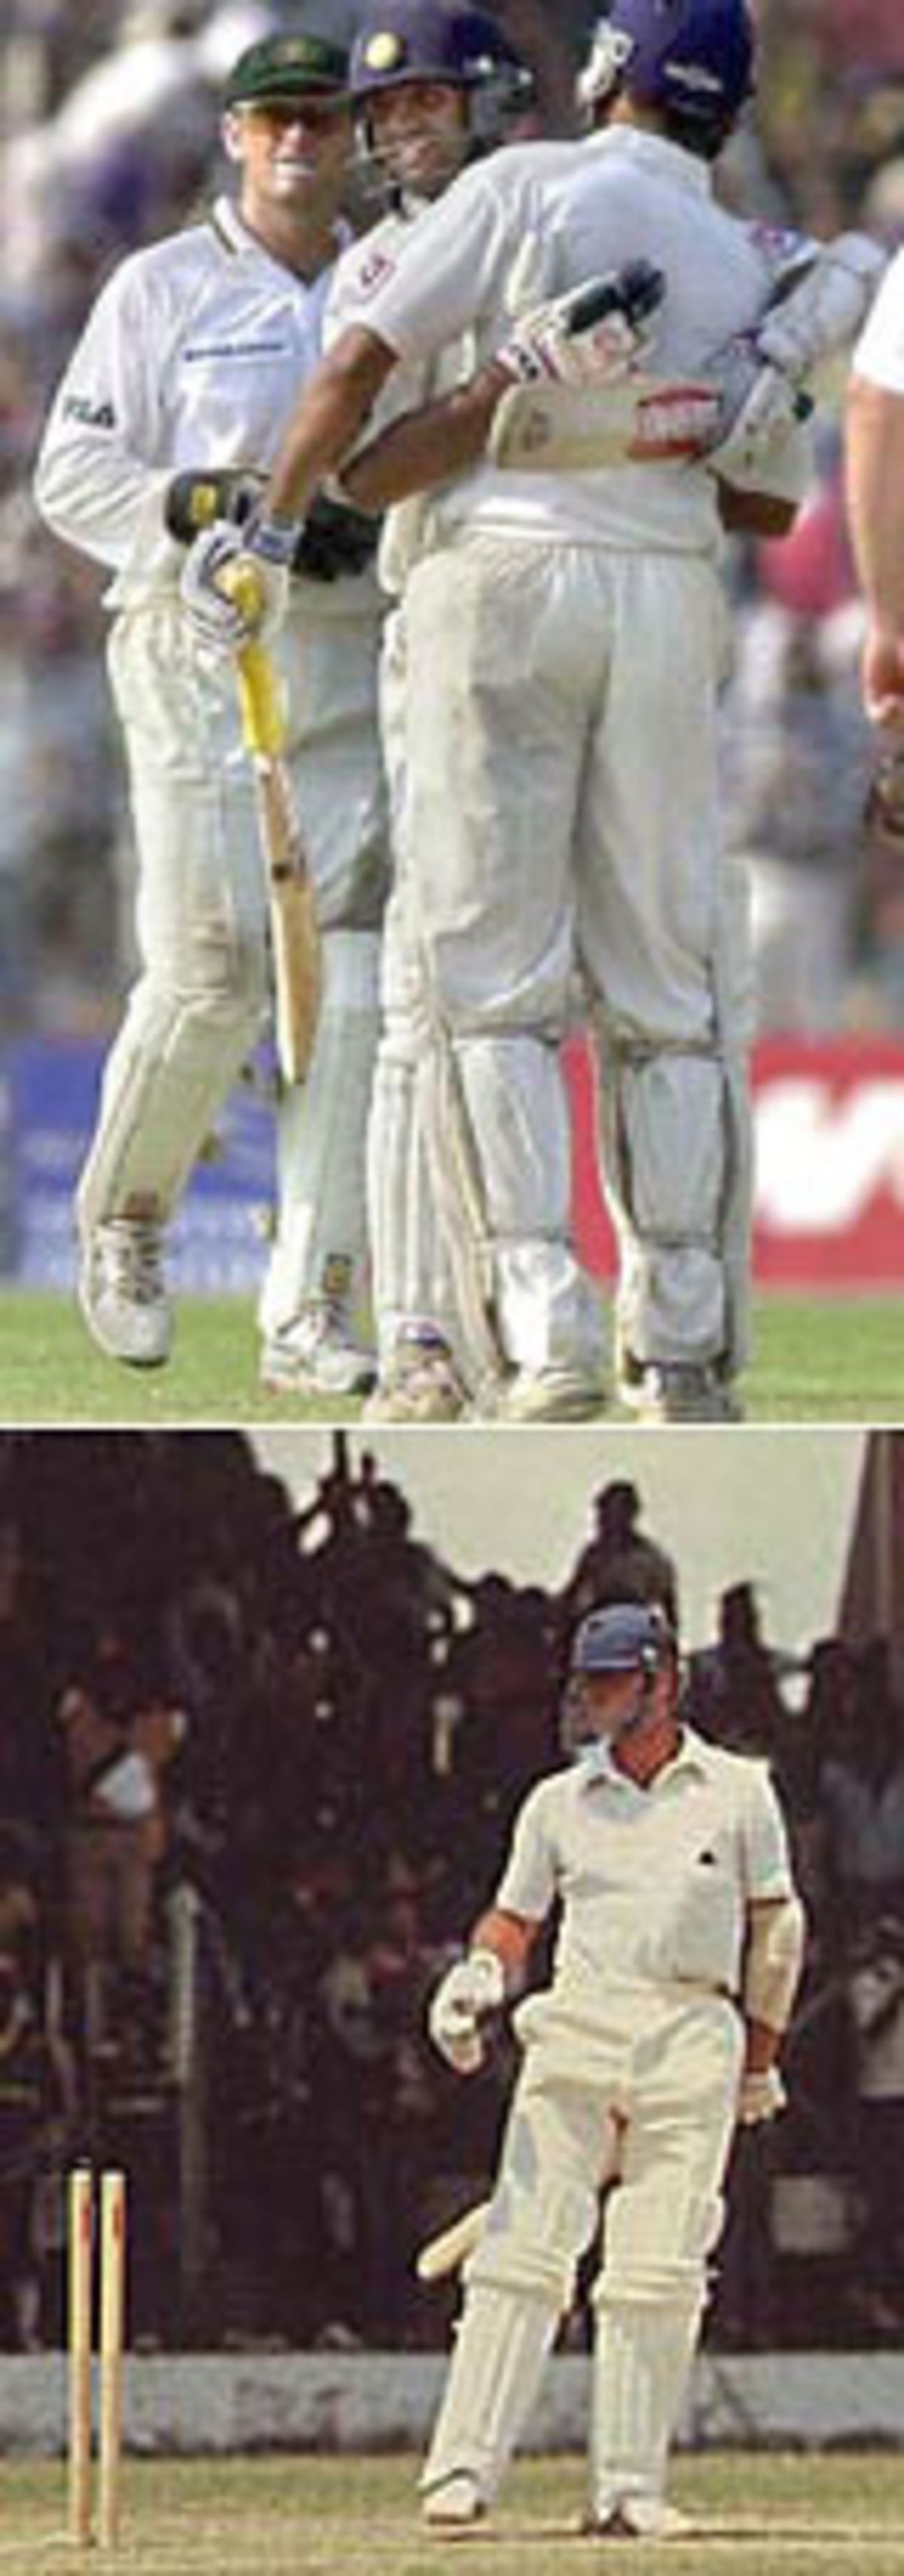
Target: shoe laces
134,1249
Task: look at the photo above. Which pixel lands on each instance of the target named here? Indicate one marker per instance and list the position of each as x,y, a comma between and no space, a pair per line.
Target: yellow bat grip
260,694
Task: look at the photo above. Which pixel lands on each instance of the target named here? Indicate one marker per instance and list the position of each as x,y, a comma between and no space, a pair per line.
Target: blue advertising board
48,1101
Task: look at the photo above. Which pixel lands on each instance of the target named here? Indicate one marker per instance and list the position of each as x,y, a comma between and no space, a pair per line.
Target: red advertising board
829,1120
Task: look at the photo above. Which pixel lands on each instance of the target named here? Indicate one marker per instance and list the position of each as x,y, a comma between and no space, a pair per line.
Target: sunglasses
277,114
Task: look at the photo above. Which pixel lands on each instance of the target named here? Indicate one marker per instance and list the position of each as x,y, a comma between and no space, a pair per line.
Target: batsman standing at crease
187,369
676,1963
565,650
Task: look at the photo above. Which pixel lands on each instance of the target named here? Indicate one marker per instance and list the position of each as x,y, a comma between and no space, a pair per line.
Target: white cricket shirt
879,352
193,357
534,220
654,1883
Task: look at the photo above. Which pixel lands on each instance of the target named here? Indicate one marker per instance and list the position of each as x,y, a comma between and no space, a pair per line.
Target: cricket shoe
122,1291
639,2518
554,1394
681,1391
420,1383
455,2504
317,1354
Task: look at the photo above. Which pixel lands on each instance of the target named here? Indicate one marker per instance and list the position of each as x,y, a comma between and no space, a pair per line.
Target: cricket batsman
875,485
558,625
188,366
677,1957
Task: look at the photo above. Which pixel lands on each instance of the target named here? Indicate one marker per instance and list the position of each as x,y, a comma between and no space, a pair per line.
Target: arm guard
773,1961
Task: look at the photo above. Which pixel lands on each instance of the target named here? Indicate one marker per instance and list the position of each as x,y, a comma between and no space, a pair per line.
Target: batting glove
761,2097
262,552
476,1985
760,405
591,336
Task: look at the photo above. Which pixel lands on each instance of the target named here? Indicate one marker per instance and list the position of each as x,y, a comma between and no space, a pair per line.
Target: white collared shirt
192,357
879,353
654,1883
536,219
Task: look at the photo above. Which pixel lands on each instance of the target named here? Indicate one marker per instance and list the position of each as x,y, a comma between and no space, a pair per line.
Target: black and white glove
335,540
592,335
760,405
258,558
475,1986
194,500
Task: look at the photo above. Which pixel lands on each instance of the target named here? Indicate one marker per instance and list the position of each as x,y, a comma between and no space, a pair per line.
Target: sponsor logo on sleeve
91,415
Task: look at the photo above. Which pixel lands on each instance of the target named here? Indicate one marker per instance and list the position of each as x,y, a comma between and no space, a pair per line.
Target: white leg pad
166,1077
321,1240
515,1097
664,1151
501,2346
641,2363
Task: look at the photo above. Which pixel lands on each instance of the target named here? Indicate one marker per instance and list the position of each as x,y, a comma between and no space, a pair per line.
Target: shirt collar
233,232
656,153
596,1762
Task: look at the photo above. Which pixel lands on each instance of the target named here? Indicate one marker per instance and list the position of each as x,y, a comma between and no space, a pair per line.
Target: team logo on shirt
374,272
384,52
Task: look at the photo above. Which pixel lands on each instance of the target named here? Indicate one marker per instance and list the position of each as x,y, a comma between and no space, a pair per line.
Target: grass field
817,1360
770,2516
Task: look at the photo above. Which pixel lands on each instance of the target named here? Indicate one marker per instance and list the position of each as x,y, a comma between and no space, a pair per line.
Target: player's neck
643,1751
304,242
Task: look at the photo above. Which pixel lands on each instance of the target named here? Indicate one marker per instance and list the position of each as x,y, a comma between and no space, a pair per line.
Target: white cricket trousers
641,2093
203,990
562,818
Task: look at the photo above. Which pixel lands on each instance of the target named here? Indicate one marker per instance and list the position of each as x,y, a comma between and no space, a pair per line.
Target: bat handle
260,693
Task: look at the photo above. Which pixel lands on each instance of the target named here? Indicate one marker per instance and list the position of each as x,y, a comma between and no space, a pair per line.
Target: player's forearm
875,484
755,514
510,1937
327,420
426,446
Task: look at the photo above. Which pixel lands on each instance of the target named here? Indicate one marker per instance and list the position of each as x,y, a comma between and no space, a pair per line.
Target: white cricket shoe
317,1354
554,1394
122,1291
419,1384
454,2504
681,1391
639,2518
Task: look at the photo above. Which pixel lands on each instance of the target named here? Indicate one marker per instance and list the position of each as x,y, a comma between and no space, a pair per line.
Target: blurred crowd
108,127
301,1733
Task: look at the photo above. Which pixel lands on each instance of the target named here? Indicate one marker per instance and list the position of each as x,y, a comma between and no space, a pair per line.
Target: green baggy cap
285,67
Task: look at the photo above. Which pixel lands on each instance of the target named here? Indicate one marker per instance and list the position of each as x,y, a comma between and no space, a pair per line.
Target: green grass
828,1359
770,2516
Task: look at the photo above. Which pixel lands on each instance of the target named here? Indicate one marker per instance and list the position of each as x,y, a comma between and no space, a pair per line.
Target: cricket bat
294,934
445,2253
638,419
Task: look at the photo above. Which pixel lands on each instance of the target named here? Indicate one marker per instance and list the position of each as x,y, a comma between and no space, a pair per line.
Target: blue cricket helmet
428,40
627,1637
691,58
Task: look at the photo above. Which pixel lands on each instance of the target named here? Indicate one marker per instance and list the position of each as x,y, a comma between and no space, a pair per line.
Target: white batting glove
476,1985
759,407
761,2097
217,619
551,346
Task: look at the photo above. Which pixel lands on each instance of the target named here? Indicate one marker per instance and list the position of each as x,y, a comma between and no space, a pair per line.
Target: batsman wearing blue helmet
567,645
676,1962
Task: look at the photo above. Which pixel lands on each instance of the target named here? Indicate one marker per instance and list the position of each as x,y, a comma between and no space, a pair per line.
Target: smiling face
293,153
418,132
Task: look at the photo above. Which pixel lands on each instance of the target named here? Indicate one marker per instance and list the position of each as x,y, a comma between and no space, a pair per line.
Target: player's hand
476,1985
762,2095
216,560
590,336
883,678
759,407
